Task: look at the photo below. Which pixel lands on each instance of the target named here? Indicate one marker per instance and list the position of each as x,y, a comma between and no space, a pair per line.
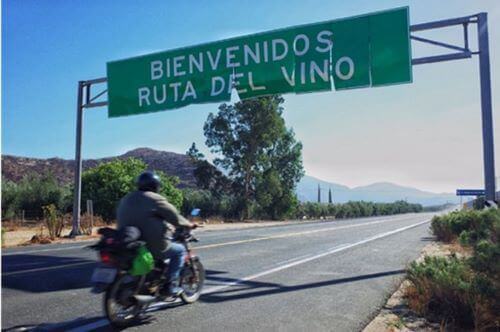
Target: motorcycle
127,296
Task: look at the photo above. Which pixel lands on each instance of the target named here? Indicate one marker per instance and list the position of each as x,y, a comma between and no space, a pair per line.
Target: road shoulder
395,315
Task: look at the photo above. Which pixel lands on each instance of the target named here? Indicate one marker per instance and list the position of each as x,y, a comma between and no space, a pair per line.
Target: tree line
226,206
28,197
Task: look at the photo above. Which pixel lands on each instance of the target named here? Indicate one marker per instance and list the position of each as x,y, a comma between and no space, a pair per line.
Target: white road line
215,289
298,258
216,245
311,258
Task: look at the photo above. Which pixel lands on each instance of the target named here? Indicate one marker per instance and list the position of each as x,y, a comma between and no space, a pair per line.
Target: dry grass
417,300
486,319
40,239
11,225
54,228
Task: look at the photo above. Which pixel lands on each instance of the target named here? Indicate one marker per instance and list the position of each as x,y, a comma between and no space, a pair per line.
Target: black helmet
148,181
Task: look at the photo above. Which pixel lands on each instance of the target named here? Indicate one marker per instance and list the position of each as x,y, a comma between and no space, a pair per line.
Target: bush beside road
455,285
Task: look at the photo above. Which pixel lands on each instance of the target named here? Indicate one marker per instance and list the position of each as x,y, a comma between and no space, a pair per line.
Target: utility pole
486,107
78,163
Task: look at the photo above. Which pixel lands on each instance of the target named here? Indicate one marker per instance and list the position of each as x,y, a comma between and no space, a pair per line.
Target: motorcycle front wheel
119,305
192,281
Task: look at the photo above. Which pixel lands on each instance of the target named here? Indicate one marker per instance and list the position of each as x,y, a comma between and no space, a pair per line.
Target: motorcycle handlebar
183,234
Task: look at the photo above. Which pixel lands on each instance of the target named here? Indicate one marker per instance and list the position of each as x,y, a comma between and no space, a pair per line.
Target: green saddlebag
143,263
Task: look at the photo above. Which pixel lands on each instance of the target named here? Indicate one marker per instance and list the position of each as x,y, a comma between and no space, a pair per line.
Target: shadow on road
40,273
73,278
92,323
63,326
78,277
263,289
95,324
213,280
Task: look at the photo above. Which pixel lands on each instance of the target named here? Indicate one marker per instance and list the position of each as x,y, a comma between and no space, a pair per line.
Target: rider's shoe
175,290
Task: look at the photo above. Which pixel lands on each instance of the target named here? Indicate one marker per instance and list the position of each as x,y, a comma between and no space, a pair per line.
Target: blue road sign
470,192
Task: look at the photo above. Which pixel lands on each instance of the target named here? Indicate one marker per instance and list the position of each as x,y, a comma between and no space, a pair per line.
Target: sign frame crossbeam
463,52
437,43
85,93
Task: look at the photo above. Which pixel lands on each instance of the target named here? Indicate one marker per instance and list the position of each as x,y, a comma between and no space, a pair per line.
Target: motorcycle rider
150,212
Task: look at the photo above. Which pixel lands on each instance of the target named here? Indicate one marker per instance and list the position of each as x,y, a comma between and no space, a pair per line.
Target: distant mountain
14,168
307,190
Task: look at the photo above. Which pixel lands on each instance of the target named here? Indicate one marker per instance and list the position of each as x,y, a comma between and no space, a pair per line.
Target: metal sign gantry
86,100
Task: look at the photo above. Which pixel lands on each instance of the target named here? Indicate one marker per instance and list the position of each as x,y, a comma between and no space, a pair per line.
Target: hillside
307,190
14,168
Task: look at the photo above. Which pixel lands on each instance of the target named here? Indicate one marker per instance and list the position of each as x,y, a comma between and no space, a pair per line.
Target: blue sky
426,134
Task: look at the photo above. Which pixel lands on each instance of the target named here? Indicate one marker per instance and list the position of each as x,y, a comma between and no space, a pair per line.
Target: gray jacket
150,212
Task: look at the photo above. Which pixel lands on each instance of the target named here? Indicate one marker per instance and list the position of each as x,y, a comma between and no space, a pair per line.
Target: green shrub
201,199
484,239
440,227
212,205
31,194
450,291
53,220
479,203
448,227
231,207
479,230
9,197
470,225
107,183
486,258
465,292
169,189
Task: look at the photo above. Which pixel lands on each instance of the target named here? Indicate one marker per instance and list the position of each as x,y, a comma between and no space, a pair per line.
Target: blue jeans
177,254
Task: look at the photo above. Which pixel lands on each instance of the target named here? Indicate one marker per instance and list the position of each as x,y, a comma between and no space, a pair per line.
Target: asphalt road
324,276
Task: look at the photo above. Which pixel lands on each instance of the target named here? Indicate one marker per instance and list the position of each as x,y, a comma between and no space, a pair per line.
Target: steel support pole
486,107
78,163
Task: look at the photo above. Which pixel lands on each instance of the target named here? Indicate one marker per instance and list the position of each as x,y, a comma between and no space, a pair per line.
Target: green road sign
362,51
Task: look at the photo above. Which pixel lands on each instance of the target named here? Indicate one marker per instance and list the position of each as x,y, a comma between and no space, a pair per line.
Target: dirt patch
24,236
444,250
